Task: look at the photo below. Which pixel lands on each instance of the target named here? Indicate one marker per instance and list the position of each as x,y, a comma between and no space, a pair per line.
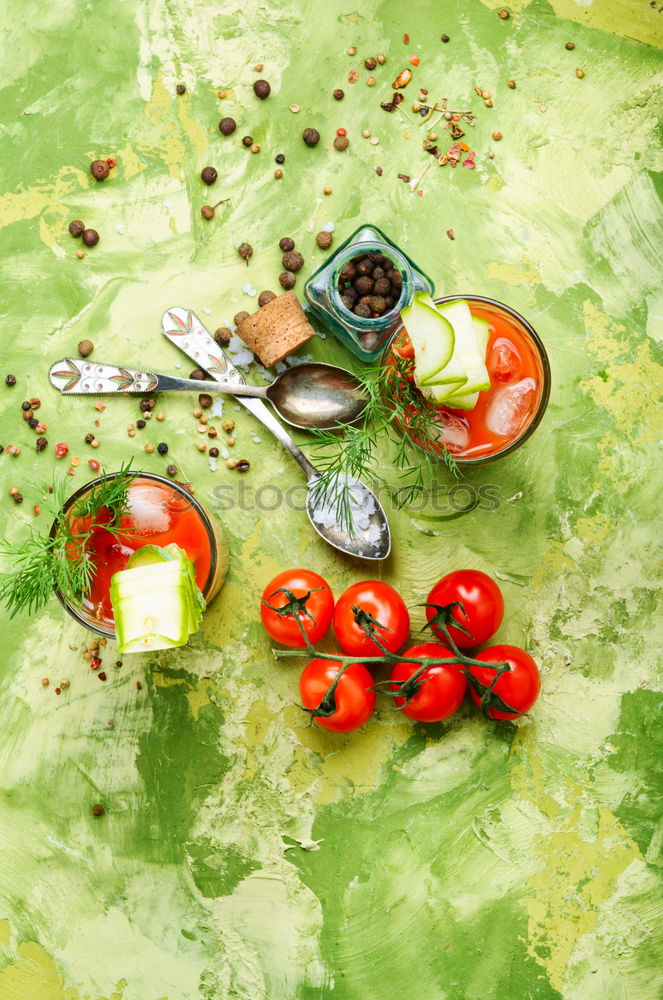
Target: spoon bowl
355,524
319,395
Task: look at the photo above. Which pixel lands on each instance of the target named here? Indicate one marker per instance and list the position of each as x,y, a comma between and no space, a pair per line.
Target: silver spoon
183,329
307,395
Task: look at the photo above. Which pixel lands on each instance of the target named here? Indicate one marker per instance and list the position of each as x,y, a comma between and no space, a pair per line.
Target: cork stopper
276,330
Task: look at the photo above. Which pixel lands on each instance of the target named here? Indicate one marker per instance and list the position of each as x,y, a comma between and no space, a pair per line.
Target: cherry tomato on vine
311,596
437,693
382,611
345,708
518,688
482,600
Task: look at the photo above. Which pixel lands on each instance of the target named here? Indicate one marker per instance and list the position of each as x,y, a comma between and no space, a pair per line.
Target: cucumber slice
462,402
431,335
471,339
156,603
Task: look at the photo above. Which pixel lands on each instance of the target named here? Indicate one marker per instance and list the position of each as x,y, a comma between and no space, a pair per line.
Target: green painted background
241,855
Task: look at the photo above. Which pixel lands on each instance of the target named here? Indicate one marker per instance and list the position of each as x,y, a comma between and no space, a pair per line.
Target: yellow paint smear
514,276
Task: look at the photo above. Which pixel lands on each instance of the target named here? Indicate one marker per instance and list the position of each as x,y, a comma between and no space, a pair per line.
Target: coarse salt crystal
328,227
256,440
217,408
208,312
212,463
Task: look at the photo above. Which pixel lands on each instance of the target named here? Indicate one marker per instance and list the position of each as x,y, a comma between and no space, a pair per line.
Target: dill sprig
396,411
61,560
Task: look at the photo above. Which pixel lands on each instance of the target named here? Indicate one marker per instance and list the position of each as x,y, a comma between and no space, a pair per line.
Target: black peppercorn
18,497
213,453
262,89
209,175
89,438
227,126
98,810
311,136
444,38
243,465
205,400
279,158
180,89
240,317
338,94
162,448
32,422
26,405
265,297
348,272
99,170
286,244
10,380
287,280
76,228
370,63
90,237
171,470
197,374
245,250
222,336
247,141
140,424
292,260
324,240
41,443
362,310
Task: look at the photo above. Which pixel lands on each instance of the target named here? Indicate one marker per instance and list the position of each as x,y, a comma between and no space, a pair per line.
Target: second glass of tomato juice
160,512
507,413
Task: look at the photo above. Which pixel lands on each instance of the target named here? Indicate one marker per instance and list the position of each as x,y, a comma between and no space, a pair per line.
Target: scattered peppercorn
18,497
94,465
338,94
207,212
222,336
497,136
99,170
171,470
41,443
61,449
352,50
286,244
76,228
278,174
209,175
35,403
213,453
45,682
580,73
240,317
89,438
279,158
287,280
262,89
97,808
202,446
511,84
205,400
80,254
292,260
324,240
26,405
212,432
503,14
247,141
370,63
245,250
570,46
341,142
444,38
227,426
162,448
140,424
13,449
370,81
227,126
33,423
243,465
198,374
149,448
180,89
311,136
265,297
255,148
90,237
10,380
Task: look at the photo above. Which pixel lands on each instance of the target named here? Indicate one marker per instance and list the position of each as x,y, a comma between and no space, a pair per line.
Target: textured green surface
242,856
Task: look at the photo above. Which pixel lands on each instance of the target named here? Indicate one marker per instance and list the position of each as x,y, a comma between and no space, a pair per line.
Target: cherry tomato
353,701
376,600
277,610
482,600
442,687
518,688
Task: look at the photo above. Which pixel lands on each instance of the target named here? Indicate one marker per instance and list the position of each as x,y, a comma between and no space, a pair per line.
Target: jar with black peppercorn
387,280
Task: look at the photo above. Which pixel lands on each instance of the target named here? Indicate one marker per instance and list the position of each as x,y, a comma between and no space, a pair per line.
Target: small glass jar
366,337
157,503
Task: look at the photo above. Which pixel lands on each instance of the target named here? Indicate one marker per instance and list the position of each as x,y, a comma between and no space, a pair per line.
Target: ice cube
504,362
454,432
510,407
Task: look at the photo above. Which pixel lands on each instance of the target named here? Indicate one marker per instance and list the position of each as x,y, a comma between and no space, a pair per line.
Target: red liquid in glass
505,410
157,516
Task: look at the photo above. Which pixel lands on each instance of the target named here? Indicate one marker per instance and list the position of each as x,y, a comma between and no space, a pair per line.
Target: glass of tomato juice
509,411
160,511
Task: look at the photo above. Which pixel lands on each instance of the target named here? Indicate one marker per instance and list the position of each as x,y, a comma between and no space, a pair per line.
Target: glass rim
545,365
77,613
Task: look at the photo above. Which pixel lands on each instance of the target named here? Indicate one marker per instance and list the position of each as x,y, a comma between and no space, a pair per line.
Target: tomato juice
159,513
507,412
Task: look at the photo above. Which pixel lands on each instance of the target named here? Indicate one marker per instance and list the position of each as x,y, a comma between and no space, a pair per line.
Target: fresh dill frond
61,560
